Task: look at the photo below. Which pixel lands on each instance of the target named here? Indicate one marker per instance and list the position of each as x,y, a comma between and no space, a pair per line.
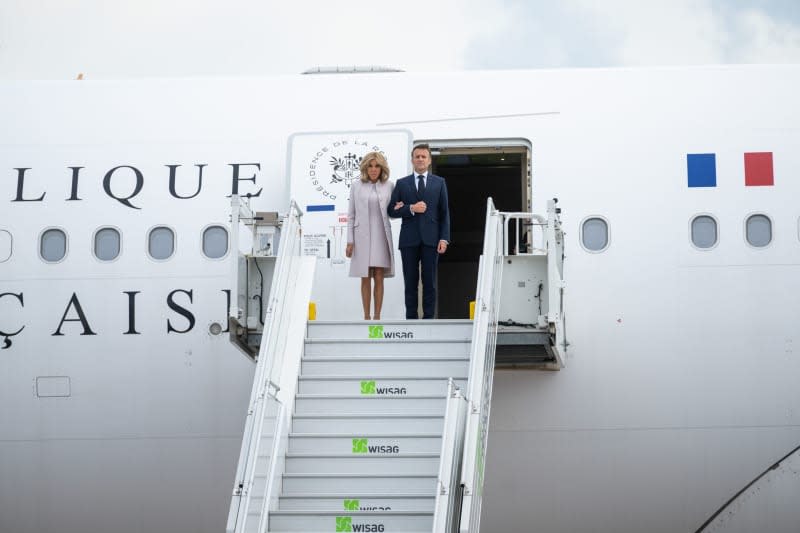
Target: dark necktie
421,186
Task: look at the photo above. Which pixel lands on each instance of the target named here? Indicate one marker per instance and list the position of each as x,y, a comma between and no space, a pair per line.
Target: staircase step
388,521
424,464
384,366
364,448
357,502
361,423
411,405
391,329
389,387
301,484
347,443
363,347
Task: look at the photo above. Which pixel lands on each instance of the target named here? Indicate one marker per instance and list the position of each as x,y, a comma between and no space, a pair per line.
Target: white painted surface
680,381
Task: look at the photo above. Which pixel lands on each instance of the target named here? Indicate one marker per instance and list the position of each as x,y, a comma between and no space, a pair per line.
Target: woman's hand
398,205
348,252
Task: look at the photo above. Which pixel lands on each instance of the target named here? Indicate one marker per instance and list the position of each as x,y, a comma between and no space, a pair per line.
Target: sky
120,39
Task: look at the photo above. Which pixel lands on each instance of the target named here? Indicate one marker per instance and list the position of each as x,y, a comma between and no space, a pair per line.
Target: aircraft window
594,234
161,243
53,245
6,243
107,244
215,242
758,230
704,231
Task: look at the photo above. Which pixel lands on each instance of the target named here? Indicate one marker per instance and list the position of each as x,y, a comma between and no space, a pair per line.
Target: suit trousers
428,257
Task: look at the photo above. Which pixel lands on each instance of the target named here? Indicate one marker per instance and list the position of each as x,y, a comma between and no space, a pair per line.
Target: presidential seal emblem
335,165
345,169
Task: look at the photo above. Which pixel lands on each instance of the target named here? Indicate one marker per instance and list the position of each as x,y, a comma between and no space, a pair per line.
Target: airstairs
366,441
362,426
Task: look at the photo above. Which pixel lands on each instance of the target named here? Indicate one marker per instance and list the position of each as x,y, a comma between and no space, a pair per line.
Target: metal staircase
377,427
366,441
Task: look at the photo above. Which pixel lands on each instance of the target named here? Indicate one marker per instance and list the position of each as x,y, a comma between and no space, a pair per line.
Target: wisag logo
377,332
351,505
370,387
355,505
345,523
361,445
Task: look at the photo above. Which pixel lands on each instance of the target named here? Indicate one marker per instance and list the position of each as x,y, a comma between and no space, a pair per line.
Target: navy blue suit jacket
429,227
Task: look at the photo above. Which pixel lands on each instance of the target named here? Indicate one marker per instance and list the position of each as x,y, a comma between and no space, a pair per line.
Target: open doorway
496,169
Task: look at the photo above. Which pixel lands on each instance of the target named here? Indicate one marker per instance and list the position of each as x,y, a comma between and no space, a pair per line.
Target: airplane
675,407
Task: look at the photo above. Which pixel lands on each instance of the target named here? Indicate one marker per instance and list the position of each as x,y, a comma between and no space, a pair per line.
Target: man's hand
418,207
348,252
442,247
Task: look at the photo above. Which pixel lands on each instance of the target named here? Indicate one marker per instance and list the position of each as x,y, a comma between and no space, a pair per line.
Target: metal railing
481,373
484,334
252,460
551,239
534,221
448,490
239,517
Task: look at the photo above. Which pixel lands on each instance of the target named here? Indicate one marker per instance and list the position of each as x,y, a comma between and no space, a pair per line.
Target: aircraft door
497,169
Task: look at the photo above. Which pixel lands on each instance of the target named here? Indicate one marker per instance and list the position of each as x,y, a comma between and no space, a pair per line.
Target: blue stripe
328,207
701,170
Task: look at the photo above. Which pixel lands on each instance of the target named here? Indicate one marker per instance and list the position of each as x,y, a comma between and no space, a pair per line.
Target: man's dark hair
423,146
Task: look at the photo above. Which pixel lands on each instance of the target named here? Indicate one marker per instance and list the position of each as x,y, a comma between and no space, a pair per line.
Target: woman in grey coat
369,232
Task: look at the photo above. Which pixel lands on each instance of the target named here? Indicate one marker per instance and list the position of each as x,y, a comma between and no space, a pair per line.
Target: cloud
659,33
587,33
154,38
414,35
765,39
540,34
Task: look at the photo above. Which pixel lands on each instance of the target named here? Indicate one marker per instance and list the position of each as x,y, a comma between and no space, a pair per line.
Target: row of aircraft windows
703,229
161,239
108,243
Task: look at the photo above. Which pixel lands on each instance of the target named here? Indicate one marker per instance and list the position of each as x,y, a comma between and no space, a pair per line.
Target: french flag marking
701,170
758,169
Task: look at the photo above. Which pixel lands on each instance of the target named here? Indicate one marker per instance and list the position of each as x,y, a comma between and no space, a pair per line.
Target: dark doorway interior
471,179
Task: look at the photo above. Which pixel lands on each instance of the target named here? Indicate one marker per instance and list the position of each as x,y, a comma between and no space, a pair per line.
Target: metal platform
519,346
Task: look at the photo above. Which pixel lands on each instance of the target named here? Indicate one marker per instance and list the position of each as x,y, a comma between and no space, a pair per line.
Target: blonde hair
378,158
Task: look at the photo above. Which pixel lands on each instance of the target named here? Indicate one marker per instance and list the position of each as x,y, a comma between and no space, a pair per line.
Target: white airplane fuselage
120,410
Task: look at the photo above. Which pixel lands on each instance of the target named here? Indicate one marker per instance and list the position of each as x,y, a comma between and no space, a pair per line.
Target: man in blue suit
421,200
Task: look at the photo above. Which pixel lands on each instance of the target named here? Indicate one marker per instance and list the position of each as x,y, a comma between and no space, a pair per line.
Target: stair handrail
447,505
265,384
534,220
481,372
279,431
